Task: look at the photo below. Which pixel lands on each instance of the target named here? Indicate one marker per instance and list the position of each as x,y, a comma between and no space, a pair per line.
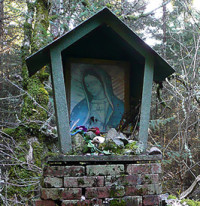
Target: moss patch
80,181
116,191
38,149
117,202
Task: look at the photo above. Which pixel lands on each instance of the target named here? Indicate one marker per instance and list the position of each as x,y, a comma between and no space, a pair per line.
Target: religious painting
97,93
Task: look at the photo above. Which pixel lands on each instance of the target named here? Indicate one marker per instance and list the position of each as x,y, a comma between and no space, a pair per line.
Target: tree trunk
1,30
56,9
164,28
41,25
34,38
26,46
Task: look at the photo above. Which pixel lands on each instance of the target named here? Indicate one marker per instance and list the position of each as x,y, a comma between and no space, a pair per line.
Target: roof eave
42,57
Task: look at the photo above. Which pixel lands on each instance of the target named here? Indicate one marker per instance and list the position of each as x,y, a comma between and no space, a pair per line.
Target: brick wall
100,184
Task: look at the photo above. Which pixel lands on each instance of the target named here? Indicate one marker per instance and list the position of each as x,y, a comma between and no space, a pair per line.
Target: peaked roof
42,57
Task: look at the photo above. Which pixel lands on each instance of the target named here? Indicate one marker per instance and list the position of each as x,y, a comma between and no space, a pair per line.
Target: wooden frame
119,82
60,101
146,102
156,69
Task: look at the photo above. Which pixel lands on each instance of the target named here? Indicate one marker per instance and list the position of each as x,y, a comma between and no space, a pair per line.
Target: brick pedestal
101,181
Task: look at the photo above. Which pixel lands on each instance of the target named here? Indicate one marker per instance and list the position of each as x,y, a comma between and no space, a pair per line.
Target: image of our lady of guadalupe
100,107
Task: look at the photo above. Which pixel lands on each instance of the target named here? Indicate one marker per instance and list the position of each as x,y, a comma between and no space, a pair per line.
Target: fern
157,123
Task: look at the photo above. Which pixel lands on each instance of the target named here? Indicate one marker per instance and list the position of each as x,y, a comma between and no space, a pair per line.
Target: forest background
27,122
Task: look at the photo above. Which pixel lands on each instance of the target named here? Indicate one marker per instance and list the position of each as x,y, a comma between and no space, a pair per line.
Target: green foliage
38,149
109,145
19,133
34,106
117,202
171,197
177,156
156,124
93,148
190,202
86,149
109,5
133,146
21,176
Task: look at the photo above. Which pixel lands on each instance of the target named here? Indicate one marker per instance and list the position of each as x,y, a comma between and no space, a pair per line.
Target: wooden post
60,101
146,102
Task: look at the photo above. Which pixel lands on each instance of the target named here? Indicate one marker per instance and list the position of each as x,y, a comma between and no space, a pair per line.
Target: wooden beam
76,35
103,158
127,35
60,101
146,102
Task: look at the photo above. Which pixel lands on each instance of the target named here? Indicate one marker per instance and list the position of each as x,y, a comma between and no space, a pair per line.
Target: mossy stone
117,202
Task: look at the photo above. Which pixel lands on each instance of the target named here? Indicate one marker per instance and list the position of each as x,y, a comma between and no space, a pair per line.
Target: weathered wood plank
60,101
146,101
109,158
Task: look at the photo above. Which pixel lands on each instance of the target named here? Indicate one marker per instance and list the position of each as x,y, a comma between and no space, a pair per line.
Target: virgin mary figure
100,107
